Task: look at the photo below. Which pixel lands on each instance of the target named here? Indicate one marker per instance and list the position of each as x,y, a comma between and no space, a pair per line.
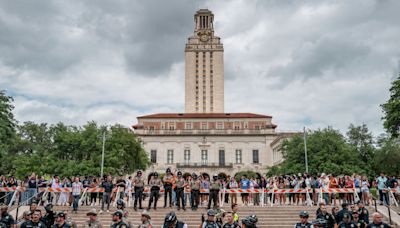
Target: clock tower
204,67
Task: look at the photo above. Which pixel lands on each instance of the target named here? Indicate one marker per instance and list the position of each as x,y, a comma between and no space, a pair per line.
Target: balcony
204,165
205,132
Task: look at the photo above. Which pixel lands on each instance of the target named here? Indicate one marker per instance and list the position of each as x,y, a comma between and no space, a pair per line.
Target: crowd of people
181,191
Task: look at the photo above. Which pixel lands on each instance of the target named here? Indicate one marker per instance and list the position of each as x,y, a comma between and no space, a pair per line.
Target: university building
204,138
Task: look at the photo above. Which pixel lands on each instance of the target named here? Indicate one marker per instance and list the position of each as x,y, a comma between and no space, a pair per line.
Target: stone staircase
279,216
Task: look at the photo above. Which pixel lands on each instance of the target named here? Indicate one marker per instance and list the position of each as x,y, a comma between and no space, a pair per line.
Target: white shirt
76,188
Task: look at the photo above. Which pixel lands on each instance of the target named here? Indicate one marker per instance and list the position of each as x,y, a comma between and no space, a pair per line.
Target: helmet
120,202
49,207
194,175
179,173
168,170
304,214
170,217
250,221
155,174
211,212
118,213
139,172
215,176
319,221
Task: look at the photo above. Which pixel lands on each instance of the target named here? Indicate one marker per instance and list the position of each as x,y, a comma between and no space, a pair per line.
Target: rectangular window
238,157
221,157
153,156
257,127
204,126
204,157
256,159
189,125
186,156
170,156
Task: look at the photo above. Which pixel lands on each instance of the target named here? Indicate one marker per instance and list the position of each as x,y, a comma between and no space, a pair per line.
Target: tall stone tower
204,67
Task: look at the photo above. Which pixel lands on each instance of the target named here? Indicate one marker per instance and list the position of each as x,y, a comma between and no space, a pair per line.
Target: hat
118,213
146,214
211,212
303,214
92,212
61,214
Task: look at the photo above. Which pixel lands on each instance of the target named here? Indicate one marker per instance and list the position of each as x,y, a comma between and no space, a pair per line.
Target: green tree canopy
327,152
391,110
361,141
7,129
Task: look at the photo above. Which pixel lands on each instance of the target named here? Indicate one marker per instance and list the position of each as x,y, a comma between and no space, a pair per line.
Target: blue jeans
75,203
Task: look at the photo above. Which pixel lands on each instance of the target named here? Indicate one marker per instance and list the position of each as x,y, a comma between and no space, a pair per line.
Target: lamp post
305,148
102,154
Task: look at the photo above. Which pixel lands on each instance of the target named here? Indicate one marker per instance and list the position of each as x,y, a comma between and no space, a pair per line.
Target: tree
7,130
387,157
391,110
327,152
361,140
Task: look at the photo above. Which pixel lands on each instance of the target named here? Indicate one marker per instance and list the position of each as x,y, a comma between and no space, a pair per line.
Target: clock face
204,38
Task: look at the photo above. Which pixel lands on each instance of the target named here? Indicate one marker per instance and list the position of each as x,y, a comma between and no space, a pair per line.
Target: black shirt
108,187
30,224
32,183
7,219
380,225
330,220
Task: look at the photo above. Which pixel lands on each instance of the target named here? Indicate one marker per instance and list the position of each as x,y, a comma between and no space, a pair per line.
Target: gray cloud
314,63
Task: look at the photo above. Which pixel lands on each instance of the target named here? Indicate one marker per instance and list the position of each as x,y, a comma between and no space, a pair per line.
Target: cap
146,214
355,212
179,173
61,214
155,174
118,213
211,212
304,214
92,212
26,213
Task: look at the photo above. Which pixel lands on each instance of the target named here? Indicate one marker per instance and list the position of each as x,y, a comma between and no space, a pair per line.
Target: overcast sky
306,63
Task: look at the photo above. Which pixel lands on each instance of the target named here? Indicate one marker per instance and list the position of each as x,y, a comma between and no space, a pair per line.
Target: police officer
5,218
171,221
345,210
347,222
250,221
195,191
230,222
168,179
26,216
118,222
93,221
121,207
303,220
146,222
34,222
323,214
155,185
138,183
180,186
356,219
86,184
215,186
319,223
50,216
60,221
377,221
210,222
363,212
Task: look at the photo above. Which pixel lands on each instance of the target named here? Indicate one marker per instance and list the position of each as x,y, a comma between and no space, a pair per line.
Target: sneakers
108,211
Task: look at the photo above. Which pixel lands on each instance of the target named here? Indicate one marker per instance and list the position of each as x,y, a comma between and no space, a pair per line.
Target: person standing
195,192
245,185
77,188
382,180
155,185
118,222
180,186
34,222
93,221
214,190
5,217
233,185
168,178
108,188
138,184
146,220
303,220
230,223
60,221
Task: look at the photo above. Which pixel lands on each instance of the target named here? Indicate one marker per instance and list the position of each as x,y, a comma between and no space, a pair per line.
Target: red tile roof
204,115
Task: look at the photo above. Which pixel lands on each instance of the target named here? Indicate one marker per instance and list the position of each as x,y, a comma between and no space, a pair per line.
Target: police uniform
120,224
139,186
94,224
7,219
380,225
146,224
180,185
155,185
300,225
195,193
347,225
65,225
233,225
210,224
30,224
167,189
360,223
214,190
363,214
330,220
